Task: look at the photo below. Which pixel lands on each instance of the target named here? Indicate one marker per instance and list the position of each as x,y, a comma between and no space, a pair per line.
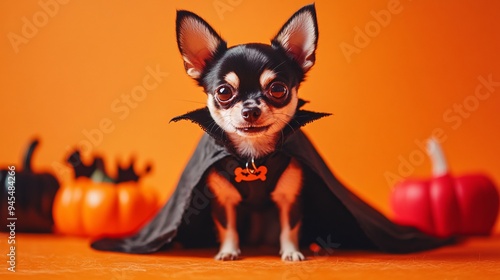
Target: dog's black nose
250,114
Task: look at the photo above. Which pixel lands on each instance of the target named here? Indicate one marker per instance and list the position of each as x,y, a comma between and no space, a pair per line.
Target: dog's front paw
292,256
228,255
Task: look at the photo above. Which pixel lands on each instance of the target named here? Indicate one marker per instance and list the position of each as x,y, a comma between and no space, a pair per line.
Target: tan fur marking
224,191
232,79
229,197
289,184
266,77
284,196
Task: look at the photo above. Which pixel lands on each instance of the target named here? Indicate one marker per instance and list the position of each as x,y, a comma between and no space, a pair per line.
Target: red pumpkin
97,207
445,205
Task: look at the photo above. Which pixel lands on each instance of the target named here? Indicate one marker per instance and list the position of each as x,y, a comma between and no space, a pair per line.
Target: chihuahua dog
252,95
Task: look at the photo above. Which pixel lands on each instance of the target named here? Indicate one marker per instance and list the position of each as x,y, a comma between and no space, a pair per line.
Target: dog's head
251,88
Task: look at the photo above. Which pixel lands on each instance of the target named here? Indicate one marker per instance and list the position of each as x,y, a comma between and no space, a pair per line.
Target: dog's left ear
299,37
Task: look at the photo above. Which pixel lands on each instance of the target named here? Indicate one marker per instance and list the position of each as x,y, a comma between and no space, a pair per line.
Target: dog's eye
278,90
224,93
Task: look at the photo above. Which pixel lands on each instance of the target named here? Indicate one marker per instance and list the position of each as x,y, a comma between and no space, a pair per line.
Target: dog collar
203,118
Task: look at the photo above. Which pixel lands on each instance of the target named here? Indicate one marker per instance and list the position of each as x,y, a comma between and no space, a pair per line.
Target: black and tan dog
252,95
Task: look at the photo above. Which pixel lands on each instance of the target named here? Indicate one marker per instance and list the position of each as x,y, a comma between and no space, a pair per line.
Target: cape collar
203,118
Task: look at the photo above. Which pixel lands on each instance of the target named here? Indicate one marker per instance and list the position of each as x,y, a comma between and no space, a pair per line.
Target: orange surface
55,257
67,70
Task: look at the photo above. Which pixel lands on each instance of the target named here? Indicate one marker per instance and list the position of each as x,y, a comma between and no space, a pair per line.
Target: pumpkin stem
438,160
29,155
99,174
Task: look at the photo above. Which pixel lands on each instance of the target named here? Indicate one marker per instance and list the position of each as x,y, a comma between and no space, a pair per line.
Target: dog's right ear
197,41
299,37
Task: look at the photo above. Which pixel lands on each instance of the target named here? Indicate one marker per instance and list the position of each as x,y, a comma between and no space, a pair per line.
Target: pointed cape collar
203,118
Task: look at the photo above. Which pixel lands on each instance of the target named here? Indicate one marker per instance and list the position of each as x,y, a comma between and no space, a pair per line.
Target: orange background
396,89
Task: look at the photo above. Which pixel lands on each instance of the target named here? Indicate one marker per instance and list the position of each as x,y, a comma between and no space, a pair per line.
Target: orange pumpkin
99,206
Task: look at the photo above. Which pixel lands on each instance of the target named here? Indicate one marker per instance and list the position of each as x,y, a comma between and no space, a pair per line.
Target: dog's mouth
252,129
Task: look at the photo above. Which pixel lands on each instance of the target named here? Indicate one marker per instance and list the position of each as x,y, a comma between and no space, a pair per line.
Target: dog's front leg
224,213
286,198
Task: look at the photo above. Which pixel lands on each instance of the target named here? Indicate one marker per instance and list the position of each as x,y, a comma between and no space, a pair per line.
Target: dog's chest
254,183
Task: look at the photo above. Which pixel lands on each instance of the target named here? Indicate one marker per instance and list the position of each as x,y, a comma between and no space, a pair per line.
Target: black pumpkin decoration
34,196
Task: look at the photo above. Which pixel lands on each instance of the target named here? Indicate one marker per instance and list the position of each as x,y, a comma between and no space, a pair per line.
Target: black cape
332,215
